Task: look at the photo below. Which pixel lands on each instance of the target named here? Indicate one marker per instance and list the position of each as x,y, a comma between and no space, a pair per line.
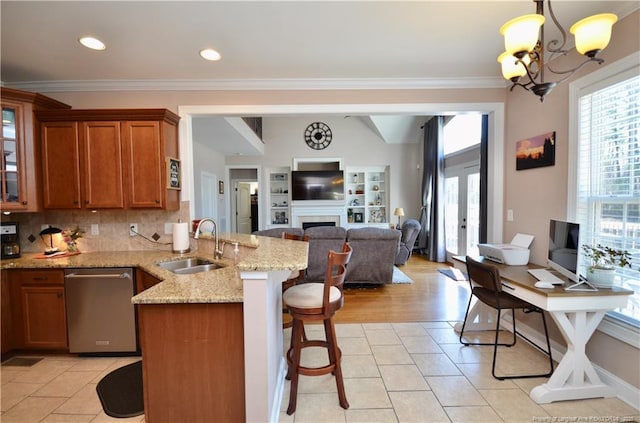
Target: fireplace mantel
317,212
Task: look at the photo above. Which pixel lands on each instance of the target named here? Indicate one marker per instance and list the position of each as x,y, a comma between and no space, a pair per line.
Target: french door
462,209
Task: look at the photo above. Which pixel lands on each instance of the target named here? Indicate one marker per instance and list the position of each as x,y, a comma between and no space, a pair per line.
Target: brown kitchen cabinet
6,321
121,158
82,165
193,362
38,309
20,164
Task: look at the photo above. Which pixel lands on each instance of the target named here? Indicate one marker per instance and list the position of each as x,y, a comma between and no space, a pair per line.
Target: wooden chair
294,277
486,286
317,302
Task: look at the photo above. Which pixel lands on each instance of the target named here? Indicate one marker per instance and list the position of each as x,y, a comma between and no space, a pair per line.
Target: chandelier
525,49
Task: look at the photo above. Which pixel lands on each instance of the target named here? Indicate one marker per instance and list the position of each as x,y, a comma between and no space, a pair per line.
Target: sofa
410,230
372,260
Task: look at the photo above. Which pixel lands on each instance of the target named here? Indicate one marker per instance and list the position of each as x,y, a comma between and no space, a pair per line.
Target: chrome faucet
216,250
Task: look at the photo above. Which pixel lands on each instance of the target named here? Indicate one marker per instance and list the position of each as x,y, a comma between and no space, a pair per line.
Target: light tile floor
393,372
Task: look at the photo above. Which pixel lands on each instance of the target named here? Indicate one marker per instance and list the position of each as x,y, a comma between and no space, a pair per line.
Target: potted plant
604,262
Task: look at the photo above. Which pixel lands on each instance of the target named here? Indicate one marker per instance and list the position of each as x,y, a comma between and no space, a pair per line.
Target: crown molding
258,84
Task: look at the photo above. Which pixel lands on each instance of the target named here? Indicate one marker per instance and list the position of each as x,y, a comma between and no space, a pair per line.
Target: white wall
205,159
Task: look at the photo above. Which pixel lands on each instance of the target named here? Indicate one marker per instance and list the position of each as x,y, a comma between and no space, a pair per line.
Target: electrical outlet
133,228
168,228
509,215
95,229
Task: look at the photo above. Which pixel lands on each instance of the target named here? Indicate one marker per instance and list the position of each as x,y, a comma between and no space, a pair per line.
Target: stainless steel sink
189,266
197,269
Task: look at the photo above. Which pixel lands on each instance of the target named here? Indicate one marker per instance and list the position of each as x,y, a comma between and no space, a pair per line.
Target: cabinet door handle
59,295
24,203
157,201
75,201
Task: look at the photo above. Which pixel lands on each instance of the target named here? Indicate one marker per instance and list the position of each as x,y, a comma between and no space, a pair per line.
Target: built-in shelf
279,199
367,197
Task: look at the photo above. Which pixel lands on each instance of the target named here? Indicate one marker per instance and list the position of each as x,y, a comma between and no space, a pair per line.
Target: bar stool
317,302
294,277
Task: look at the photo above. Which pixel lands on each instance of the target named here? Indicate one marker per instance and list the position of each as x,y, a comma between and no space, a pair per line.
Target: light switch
509,215
95,229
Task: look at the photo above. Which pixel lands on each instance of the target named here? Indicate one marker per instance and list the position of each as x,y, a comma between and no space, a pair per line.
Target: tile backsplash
113,227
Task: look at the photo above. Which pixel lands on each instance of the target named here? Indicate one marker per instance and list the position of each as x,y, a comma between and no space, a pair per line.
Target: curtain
484,176
432,236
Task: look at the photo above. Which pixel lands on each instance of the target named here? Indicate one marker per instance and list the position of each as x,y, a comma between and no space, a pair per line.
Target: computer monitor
563,248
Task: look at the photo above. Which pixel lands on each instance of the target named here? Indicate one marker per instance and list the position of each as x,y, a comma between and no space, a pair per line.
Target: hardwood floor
431,297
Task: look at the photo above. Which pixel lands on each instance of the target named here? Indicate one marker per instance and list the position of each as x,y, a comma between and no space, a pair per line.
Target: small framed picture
538,151
173,173
357,217
220,187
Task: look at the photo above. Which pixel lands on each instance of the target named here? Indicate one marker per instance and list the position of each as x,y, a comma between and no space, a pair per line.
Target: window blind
608,177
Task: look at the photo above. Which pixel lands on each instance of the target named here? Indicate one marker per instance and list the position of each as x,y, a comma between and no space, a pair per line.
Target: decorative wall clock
318,135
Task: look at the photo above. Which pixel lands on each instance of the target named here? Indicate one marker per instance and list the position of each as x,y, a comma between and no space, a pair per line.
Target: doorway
246,206
495,142
462,209
243,199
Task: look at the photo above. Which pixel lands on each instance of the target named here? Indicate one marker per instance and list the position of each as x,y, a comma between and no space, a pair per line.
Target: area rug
449,273
120,391
400,277
22,361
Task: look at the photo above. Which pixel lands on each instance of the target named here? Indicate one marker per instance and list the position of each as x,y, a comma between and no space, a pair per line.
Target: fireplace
307,225
317,215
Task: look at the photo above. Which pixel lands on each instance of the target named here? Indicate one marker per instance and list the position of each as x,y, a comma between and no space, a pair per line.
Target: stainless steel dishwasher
100,316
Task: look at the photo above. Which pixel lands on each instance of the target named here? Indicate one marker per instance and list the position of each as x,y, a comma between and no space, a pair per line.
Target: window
462,132
606,148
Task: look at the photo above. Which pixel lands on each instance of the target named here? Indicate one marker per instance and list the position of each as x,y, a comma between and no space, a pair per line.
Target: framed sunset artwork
537,151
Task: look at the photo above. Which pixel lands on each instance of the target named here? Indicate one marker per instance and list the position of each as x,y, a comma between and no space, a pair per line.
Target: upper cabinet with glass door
11,113
20,166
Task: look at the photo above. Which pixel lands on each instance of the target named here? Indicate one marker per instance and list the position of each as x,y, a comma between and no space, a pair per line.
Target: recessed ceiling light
210,54
92,43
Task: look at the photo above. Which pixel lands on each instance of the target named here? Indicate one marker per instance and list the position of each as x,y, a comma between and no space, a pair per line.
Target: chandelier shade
526,57
593,33
511,66
521,34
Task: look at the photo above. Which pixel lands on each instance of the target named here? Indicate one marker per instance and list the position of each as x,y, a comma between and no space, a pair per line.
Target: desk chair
294,277
315,302
488,289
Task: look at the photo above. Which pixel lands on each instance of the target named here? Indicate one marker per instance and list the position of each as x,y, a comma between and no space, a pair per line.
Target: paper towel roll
181,237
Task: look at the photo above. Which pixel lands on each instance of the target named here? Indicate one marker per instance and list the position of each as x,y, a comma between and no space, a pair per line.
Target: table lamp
399,211
50,231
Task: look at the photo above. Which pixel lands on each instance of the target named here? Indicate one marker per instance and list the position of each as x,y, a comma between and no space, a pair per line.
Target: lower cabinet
38,312
6,328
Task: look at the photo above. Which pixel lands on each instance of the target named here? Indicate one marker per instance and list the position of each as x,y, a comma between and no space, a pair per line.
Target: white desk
577,315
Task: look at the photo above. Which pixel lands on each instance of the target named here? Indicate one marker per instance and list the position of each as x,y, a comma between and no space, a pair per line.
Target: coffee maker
10,238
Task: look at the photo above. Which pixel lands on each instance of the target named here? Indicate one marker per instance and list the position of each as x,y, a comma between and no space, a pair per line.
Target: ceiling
264,44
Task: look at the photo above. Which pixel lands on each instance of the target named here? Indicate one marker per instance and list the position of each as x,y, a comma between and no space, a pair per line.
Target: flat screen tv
563,248
317,185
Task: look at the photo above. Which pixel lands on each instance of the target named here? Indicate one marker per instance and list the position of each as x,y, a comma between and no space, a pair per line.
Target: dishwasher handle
123,275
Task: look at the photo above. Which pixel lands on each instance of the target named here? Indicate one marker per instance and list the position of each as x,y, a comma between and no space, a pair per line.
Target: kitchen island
212,342
210,356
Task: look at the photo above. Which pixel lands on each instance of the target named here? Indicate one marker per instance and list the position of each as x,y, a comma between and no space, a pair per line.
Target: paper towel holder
181,242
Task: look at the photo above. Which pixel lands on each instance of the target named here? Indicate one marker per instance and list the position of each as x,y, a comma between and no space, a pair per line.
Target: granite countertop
216,286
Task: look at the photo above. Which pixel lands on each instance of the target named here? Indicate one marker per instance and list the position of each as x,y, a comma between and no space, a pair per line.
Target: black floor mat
22,361
120,391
